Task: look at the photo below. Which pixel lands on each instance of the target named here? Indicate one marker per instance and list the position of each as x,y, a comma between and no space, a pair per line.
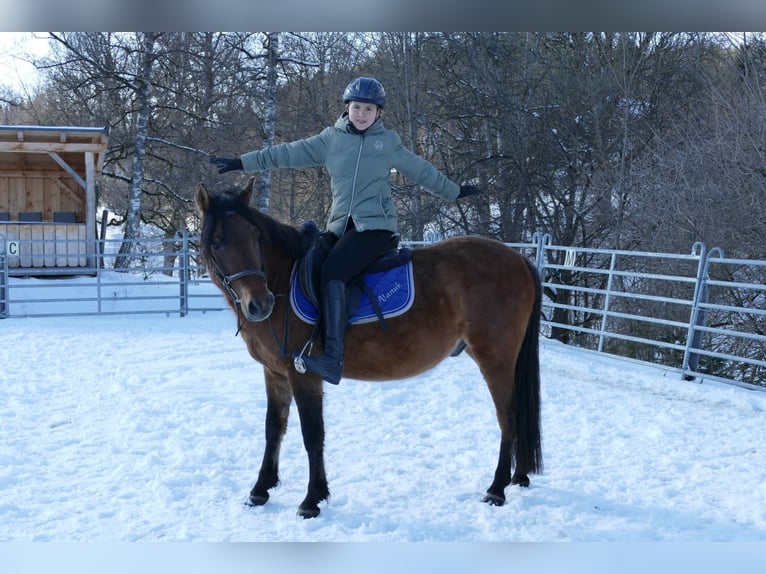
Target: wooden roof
32,150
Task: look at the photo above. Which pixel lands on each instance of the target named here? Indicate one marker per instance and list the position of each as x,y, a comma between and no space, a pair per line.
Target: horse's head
230,245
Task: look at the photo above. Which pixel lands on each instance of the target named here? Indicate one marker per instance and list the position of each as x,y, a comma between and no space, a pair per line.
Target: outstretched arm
225,164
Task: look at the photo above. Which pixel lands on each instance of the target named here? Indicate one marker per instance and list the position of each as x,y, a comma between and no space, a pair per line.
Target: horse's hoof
258,499
522,481
494,499
308,511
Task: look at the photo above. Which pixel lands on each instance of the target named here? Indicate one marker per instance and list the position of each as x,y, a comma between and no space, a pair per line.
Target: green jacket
360,170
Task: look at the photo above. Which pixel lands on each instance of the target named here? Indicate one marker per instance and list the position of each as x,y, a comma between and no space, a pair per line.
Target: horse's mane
291,240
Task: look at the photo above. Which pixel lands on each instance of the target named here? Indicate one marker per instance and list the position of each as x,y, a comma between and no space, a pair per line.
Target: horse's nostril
253,309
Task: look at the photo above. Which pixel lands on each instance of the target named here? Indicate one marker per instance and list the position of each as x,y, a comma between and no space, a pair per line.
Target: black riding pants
353,252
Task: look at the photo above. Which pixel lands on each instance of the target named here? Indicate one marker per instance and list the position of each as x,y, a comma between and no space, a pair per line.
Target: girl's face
362,114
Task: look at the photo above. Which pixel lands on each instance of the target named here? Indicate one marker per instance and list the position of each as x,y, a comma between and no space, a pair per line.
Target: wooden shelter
48,197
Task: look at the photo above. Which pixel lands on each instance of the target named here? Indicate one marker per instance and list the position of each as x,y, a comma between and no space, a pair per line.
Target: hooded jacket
360,167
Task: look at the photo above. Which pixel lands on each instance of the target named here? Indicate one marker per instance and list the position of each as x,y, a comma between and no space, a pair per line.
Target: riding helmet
365,90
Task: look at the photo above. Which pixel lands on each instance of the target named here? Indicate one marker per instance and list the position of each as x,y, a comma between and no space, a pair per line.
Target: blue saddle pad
394,290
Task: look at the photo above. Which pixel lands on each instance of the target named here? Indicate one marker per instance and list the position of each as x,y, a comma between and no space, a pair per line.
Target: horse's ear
202,198
247,193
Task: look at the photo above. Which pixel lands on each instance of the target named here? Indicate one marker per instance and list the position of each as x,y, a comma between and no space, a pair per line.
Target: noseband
227,280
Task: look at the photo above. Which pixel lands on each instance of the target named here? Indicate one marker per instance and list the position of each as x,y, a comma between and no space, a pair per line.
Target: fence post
541,239
3,278
607,300
698,315
183,271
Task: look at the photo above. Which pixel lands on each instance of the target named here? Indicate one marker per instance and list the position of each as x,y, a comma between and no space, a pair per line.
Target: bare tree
118,66
142,85
600,139
705,178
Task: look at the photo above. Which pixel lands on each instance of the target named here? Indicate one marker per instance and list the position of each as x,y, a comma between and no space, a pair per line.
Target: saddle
308,269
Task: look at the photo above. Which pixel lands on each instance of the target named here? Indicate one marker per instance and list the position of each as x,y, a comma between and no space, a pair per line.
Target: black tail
529,454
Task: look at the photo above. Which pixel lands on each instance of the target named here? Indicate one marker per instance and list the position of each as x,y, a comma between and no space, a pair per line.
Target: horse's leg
497,366
308,398
501,396
279,397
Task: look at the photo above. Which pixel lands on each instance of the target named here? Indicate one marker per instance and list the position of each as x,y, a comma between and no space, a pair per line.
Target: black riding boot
334,317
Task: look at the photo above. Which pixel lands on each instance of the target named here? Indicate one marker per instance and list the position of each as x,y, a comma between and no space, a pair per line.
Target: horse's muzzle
255,311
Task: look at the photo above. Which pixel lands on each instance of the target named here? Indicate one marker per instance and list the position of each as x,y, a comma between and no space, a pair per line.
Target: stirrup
298,362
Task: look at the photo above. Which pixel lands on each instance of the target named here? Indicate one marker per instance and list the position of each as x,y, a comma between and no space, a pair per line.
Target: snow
150,428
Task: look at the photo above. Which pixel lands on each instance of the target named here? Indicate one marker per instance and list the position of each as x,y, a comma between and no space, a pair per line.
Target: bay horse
470,292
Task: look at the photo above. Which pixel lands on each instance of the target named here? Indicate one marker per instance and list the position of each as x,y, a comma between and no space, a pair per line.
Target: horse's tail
527,393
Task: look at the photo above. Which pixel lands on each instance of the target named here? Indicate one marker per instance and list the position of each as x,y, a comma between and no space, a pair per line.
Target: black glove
225,164
467,190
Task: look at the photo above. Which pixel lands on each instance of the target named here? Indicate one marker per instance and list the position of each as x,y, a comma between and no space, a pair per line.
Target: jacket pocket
387,207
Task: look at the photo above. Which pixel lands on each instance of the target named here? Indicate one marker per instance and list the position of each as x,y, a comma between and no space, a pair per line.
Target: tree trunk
270,121
143,90
411,107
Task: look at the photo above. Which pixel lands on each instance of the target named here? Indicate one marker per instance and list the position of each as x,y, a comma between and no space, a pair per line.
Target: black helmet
365,90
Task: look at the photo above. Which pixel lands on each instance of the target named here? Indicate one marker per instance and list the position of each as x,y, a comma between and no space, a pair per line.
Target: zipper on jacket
353,185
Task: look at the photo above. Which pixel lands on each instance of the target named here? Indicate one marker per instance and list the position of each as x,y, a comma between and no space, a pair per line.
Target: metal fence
699,314
164,277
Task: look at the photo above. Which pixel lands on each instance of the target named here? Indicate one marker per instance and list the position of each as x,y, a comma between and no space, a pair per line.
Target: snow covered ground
150,428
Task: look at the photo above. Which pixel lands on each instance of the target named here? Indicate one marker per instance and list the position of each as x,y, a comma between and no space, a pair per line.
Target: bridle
227,281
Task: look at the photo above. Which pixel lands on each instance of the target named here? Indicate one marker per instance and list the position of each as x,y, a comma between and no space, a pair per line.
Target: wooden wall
46,194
